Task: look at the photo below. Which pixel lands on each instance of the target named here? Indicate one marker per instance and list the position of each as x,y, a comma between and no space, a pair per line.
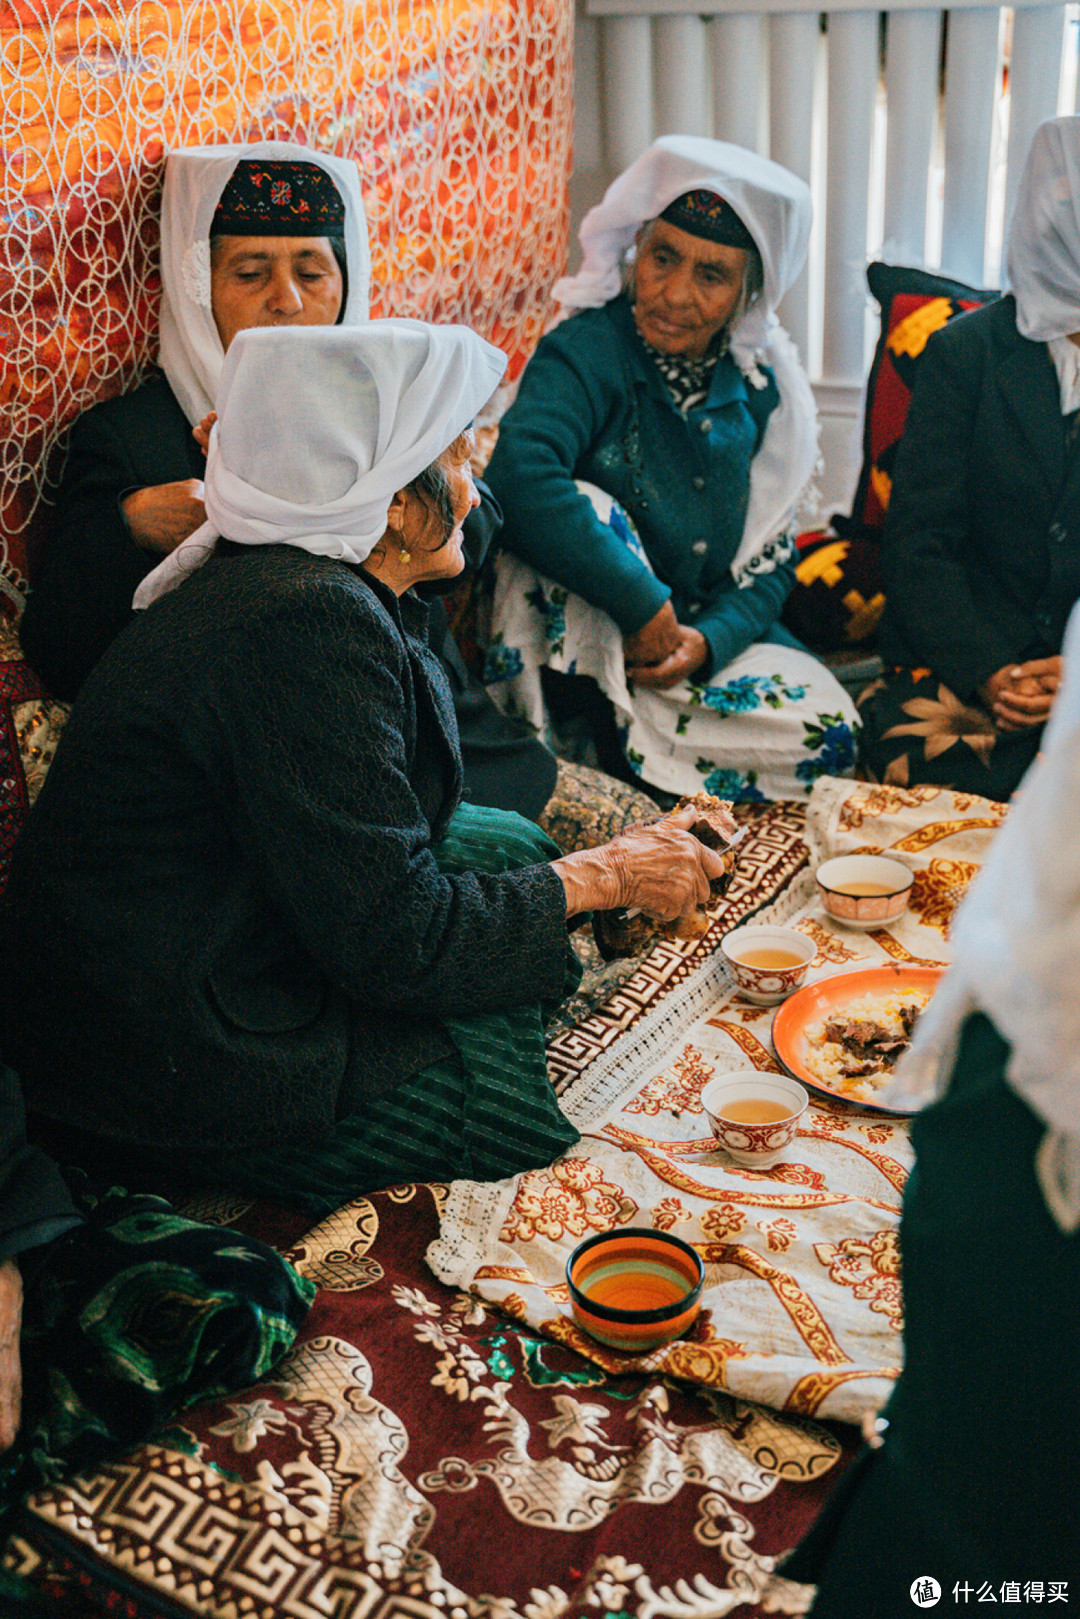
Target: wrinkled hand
658,867
1021,695
163,514
655,641
201,433
689,656
10,1366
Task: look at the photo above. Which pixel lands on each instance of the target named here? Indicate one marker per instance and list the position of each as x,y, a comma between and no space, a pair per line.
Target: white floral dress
765,727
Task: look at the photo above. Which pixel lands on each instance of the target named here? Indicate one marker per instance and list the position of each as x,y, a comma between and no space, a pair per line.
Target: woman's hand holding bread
661,867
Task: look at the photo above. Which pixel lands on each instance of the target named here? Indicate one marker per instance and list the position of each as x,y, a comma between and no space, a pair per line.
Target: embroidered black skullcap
279,199
703,213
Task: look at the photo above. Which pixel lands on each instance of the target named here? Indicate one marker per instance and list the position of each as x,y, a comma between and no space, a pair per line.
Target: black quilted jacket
82,592
981,550
224,922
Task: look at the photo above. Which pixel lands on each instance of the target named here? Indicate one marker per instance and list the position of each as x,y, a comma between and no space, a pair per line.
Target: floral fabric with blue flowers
765,727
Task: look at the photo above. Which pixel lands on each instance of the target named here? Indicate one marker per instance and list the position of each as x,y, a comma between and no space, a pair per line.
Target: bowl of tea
635,1288
767,963
754,1116
864,890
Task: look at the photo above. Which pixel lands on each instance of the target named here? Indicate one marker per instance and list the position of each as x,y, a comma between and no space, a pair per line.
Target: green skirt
483,1112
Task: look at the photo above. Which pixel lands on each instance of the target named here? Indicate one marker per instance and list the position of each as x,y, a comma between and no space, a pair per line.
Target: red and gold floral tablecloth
420,1453
423,1453
802,1304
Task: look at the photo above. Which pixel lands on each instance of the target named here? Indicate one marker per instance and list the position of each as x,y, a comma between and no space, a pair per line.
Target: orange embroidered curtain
457,114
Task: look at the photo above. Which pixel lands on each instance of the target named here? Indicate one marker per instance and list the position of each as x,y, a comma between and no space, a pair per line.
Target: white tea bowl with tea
864,890
767,963
754,1116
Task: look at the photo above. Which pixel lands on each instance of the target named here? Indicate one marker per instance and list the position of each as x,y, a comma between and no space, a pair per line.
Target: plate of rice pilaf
843,1035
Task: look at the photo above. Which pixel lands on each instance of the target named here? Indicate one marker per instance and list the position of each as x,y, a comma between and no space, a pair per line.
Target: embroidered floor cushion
914,304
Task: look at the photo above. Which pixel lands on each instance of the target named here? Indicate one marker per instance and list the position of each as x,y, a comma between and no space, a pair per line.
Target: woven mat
418,1452
802,1308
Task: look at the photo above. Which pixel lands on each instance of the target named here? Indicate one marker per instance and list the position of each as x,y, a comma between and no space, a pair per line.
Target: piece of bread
618,933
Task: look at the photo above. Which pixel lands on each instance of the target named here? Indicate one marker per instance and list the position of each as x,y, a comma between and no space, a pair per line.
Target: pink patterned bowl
767,963
864,890
735,1104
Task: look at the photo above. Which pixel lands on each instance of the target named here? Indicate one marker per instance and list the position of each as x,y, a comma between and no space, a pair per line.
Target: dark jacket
35,1204
982,1433
81,599
593,406
227,880
981,550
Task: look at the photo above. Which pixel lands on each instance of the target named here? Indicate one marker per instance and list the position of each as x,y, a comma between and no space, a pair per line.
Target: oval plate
827,998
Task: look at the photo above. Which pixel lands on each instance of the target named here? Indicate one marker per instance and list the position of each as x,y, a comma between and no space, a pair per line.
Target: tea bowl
891,878
754,1144
767,985
635,1288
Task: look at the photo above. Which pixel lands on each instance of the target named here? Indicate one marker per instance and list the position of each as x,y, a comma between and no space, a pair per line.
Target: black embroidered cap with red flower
704,213
279,199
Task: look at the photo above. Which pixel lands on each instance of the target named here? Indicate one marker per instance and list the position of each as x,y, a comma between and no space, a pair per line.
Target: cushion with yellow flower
914,304
838,599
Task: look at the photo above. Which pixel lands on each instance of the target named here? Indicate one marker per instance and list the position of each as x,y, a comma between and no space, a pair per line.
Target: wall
458,115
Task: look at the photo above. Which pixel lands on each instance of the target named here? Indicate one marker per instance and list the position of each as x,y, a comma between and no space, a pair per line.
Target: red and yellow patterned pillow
914,304
838,600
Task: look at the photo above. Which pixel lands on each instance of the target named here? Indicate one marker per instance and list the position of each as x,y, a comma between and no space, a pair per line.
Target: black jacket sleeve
35,1204
81,599
930,552
322,781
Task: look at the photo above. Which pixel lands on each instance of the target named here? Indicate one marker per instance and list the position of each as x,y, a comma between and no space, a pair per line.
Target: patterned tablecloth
422,1453
802,1304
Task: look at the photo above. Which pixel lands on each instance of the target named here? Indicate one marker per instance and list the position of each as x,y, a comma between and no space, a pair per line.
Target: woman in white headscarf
651,472
981,549
264,234
260,234
971,1478
280,952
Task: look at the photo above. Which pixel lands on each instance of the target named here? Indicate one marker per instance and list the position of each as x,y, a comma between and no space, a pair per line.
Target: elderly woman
268,233
981,551
651,470
970,1478
265,234
279,949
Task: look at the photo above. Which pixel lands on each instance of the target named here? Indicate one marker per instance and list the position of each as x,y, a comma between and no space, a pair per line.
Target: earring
404,554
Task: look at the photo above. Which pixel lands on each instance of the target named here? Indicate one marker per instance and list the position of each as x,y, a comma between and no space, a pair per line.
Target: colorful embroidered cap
703,213
279,199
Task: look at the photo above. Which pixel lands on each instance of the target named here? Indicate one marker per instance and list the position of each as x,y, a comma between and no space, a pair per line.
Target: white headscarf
319,427
1043,260
774,205
1016,945
191,352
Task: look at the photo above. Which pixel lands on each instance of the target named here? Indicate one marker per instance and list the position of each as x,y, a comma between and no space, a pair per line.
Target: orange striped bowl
635,1288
